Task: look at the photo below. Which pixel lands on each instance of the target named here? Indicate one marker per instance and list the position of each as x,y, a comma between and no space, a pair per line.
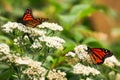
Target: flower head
72,54
54,42
36,44
82,53
51,26
112,61
85,70
4,48
10,26
56,75
35,35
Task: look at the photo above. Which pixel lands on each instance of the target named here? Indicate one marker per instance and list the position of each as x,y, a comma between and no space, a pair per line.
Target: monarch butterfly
29,20
98,55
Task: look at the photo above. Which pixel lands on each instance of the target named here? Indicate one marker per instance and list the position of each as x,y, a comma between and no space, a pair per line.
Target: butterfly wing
98,55
42,20
32,23
28,15
29,20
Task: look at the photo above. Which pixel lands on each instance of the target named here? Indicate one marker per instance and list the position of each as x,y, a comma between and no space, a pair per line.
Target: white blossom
36,44
85,70
10,26
17,41
54,42
35,33
56,75
112,61
88,78
72,54
82,53
80,49
34,70
26,37
4,48
51,26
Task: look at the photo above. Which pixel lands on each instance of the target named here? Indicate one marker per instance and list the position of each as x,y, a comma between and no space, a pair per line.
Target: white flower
17,41
35,73
82,53
56,75
54,42
34,70
4,48
51,26
34,67
85,70
88,78
72,54
10,26
80,49
112,61
35,34
26,37
36,44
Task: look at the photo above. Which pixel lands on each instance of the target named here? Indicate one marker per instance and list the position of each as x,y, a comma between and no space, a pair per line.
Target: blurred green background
95,23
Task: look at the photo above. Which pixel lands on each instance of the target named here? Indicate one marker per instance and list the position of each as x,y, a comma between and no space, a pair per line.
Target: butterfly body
98,55
29,20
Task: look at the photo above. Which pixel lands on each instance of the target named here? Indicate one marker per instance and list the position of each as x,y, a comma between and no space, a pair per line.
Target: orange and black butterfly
98,55
29,20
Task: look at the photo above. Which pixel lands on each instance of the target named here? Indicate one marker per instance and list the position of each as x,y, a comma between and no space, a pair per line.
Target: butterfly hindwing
32,23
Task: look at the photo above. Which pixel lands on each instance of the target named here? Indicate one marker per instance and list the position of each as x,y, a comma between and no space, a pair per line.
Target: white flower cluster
4,49
35,71
72,54
85,70
17,41
34,68
36,33
51,26
10,26
54,42
82,53
112,61
36,44
56,75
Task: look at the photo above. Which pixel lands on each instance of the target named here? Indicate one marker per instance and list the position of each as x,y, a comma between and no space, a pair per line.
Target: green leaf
6,74
67,20
82,10
92,42
3,66
5,39
49,61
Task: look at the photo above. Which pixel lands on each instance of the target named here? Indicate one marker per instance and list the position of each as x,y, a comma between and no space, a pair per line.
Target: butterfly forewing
28,15
98,55
95,59
98,52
